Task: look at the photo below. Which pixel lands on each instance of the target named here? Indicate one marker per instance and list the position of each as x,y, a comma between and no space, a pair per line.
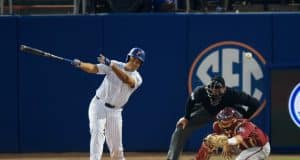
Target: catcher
234,134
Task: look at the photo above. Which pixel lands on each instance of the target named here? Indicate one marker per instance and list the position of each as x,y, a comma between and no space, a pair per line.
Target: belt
107,104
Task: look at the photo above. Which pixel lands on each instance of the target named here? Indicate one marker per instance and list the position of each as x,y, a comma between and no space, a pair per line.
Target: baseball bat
42,53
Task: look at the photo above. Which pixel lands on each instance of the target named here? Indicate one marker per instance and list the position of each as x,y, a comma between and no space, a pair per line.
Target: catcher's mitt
216,141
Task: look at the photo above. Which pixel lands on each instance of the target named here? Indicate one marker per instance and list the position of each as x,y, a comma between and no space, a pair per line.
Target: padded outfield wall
45,102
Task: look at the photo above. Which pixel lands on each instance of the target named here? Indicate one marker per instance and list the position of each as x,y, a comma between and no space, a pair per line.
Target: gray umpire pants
198,119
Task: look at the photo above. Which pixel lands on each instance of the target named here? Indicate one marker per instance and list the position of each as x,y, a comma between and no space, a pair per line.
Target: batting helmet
136,53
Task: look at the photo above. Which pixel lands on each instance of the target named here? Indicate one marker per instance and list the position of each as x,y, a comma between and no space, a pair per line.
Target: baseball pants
198,119
105,124
255,153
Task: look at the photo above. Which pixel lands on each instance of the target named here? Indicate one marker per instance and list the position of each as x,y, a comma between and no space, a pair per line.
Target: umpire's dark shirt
232,98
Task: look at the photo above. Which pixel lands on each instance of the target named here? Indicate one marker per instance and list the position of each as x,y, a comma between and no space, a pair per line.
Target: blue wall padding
45,102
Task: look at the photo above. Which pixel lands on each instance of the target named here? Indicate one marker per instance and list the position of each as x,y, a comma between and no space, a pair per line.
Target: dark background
283,82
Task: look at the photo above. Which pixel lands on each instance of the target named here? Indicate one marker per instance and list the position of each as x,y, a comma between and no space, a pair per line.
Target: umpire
202,106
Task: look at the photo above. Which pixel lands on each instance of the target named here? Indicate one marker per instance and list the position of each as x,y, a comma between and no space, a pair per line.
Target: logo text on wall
228,58
294,105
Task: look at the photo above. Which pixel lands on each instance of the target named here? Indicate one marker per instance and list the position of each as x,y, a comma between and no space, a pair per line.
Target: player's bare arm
123,75
132,65
87,67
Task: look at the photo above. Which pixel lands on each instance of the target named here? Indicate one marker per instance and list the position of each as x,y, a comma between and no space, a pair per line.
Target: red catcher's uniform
255,144
252,135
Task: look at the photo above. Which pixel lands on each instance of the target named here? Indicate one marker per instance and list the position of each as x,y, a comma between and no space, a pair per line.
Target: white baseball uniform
105,112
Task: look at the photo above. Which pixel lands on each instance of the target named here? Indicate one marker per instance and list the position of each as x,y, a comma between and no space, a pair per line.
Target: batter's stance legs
97,139
97,123
114,134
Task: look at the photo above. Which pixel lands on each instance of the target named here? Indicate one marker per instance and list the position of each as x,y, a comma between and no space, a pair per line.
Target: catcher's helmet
227,117
136,53
228,113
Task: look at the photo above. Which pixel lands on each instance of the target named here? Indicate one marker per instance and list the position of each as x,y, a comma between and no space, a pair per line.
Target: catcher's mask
215,90
227,117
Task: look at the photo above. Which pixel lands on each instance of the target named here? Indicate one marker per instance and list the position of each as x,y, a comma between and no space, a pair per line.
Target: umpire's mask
215,90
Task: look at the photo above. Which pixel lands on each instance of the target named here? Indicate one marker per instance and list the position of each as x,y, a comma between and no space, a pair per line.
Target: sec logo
294,105
231,60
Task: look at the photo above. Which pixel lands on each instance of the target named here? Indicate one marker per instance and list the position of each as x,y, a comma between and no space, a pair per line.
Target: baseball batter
235,134
105,110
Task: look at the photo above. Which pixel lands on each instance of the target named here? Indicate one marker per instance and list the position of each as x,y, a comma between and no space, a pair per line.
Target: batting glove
104,60
76,62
